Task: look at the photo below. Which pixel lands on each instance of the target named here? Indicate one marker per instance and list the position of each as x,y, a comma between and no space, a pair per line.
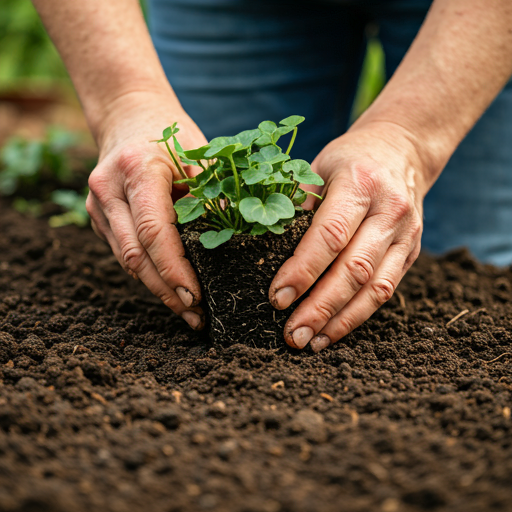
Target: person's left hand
367,229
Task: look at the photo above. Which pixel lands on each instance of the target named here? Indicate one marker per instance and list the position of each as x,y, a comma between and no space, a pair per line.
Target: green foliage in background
372,79
30,161
30,164
26,51
73,204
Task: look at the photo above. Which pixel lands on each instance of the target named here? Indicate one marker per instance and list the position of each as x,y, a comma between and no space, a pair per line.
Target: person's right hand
130,200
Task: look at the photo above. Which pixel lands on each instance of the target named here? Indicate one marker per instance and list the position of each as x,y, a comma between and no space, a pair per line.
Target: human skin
367,229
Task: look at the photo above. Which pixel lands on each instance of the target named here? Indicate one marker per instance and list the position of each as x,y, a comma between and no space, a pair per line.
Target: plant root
456,317
497,358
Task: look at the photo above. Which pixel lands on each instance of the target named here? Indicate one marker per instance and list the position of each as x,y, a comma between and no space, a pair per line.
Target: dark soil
109,403
235,278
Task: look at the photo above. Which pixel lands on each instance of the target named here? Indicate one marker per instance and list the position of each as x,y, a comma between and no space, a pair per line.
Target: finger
133,257
353,268
154,218
102,228
334,224
99,222
375,293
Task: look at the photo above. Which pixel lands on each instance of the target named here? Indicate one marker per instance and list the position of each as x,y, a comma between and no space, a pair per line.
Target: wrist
110,113
412,153
138,113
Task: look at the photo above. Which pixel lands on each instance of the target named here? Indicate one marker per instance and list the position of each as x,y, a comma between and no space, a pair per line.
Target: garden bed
108,402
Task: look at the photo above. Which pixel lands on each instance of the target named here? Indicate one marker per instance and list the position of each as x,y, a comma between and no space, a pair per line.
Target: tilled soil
109,403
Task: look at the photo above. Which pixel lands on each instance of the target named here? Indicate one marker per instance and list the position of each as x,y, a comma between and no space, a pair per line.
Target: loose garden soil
108,402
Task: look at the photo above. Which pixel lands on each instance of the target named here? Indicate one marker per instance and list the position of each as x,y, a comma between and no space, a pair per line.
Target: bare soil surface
108,402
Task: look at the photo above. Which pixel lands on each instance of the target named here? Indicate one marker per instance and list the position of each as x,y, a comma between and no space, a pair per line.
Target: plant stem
294,134
314,195
294,189
176,163
219,212
237,179
238,191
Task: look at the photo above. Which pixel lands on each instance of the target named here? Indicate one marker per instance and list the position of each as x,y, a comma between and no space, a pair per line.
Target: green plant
74,205
247,183
26,161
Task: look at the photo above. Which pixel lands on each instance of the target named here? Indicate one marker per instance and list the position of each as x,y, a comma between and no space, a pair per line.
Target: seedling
30,162
247,184
74,205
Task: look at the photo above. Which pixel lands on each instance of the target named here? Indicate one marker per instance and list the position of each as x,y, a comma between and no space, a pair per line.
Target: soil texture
235,279
108,402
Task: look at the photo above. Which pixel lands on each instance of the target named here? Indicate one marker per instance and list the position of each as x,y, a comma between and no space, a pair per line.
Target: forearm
458,63
107,50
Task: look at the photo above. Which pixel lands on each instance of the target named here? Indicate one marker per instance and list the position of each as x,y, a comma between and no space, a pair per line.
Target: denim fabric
234,63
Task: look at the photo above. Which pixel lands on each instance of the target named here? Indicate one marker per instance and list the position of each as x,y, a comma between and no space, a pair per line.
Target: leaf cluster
247,184
73,204
31,161
28,165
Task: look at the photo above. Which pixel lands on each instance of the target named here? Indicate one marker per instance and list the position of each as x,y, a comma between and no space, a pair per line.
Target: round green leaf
299,197
258,229
197,154
292,121
212,239
277,229
282,205
188,209
226,151
247,137
212,189
257,174
277,206
269,154
267,127
228,186
264,140
302,172
276,178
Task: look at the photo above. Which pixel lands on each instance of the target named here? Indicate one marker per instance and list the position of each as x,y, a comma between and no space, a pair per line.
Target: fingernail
285,296
320,342
192,319
186,297
302,335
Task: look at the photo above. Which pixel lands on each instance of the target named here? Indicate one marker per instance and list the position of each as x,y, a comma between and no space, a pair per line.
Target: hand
130,198
366,232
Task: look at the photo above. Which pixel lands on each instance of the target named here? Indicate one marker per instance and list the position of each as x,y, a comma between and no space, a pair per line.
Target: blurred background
46,150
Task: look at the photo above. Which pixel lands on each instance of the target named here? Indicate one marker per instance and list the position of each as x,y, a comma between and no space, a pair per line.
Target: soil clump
235,278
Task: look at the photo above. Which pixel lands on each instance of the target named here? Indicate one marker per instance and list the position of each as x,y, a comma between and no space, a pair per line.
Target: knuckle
147,230
368,183
98,184
383,290
129,160
412,258
416,229
168,299
326,309
133,257
400,206
344,325
361,270
335,234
